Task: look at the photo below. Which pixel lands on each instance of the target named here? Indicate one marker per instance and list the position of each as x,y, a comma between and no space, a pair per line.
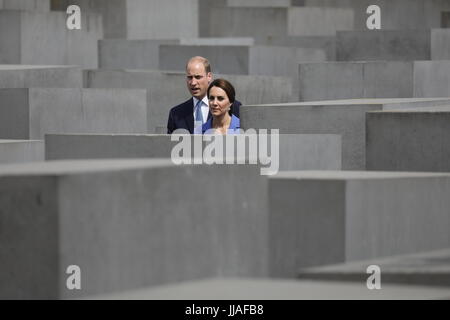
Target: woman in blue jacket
221,95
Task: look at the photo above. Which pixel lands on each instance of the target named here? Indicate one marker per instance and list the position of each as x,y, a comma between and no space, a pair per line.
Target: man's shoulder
184,106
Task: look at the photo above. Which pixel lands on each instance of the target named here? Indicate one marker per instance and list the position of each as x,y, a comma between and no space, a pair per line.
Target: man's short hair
205,62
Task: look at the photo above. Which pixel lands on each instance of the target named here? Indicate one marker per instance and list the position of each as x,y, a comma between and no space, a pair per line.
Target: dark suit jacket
182,116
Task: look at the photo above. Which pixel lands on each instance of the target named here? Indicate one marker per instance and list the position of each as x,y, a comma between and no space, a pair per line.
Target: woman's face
219,103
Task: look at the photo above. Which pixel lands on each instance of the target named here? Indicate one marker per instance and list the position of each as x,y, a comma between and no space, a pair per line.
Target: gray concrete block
127,225
432,79
326,43
166,90
409,140
395,15
421,269
32,113
142,19
344,117
316,21
440,44
389,45
223,21
28,37
348,80
258,60
259,3
329,217
21,76
30,5
16,151
296,152
245,289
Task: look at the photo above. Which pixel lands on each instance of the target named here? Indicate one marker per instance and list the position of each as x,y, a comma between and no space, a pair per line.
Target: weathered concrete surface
423,269
409,140
22,76
32,113
432,79
337,216
258,60
356,80
317,21
395,15
26,36
342,117
296,152
142,19
30,5
245,289
400,45
259,3
127,225
166,90
16,151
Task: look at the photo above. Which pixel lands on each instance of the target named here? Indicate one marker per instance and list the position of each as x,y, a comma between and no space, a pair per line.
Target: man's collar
205,100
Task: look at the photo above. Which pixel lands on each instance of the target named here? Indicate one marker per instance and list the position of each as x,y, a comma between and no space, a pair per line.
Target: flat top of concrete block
28,67
437,262
354,175
80,166
19,141
245,289
346,102
437,109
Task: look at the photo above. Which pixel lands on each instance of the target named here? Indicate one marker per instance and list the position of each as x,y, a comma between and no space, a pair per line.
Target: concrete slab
296,152
423,269
31,113
22,76
355,80
30,5
409,140
142,19
395,15
16,151
26,36
319,21
342,117
393,45
432,79
330,217
166,90
245,289
127,225
259,3
258,60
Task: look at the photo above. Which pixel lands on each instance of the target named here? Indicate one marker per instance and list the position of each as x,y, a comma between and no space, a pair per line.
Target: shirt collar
204,100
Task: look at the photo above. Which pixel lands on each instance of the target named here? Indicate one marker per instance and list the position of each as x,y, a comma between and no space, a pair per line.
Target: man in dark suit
193,113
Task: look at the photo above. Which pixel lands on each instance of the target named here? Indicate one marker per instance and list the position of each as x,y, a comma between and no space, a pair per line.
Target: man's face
197,79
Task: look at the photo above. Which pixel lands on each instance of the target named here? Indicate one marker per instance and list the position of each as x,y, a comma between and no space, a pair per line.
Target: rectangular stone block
16,151
393,45
356,80
127,225
395,15
432,78
409,140
295,152
420,269
259,3
344,117
266,289
32,113
20,76
258,60
28,37
317,21
166,90
30,5
332,217
222,21
142,19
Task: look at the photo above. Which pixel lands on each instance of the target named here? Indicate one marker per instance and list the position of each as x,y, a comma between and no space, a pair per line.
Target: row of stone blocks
127,225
